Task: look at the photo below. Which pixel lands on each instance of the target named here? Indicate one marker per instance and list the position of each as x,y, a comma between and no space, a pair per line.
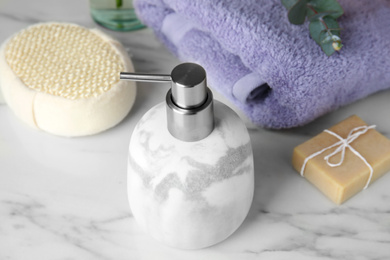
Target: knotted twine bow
342,145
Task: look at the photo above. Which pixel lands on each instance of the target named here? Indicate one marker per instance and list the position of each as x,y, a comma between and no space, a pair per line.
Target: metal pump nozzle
190,115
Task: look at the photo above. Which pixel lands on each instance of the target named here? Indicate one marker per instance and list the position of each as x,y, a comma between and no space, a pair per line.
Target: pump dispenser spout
189,102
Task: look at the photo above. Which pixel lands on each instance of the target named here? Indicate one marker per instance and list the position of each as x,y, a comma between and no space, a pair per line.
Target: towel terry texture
272,70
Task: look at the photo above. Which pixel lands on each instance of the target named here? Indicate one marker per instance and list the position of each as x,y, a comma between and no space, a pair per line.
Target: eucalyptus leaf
332,25
325,31
289,3
297,13
320,15
324,37
320,6
328,48
315,28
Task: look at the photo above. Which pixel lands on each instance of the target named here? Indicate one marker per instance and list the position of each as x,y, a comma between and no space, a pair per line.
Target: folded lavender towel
269,68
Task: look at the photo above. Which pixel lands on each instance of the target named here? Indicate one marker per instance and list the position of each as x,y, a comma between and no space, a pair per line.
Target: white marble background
65,198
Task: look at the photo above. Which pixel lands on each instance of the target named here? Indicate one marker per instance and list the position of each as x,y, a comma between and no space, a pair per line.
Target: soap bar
340,183
64,79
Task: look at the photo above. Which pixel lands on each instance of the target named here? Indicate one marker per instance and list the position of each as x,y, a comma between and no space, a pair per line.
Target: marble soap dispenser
190,164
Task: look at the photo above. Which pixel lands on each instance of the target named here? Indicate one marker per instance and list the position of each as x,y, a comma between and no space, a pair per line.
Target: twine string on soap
341,147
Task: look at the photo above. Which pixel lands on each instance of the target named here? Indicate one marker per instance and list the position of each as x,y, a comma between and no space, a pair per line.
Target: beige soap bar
342,182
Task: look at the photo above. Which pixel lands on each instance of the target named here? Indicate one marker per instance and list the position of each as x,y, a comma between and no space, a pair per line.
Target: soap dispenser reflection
190,166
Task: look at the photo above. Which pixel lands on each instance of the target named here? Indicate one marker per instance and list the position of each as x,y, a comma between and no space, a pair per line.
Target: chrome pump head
189,102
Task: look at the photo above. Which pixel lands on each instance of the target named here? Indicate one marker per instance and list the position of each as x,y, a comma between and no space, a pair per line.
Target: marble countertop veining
65,198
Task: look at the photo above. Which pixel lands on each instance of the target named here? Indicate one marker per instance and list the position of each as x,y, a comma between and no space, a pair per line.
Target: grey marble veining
190,194
63,198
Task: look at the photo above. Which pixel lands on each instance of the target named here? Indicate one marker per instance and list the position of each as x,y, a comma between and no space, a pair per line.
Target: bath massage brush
64,79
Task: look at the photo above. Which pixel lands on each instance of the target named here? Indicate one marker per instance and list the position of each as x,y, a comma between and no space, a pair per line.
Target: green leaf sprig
118,3
322,15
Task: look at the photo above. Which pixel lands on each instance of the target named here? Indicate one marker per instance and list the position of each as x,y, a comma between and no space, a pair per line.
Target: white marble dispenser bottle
190,164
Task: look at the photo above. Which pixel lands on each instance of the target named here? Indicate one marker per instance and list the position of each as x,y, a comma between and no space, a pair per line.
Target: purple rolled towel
270,69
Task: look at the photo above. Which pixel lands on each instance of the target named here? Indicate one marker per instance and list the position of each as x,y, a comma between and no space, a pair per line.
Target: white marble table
65,198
